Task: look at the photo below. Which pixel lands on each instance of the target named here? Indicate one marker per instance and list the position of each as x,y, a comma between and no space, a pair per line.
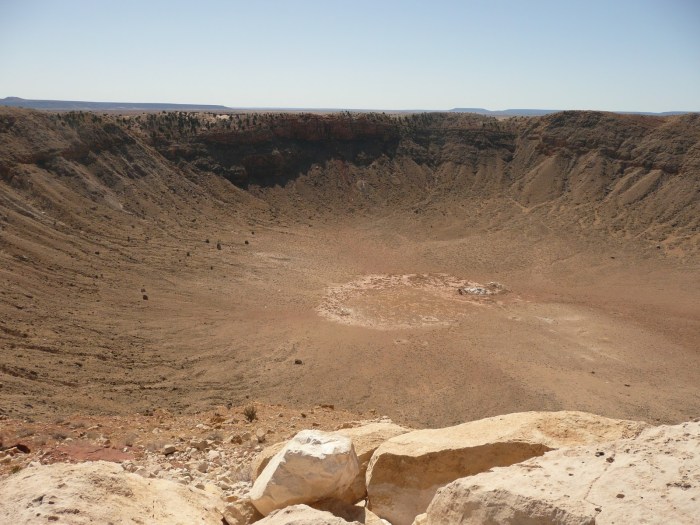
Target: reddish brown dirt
78,438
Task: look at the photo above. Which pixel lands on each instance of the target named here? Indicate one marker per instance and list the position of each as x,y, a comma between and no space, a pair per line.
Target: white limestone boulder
313,465
365,439
421,519
101,492
653,478
406,471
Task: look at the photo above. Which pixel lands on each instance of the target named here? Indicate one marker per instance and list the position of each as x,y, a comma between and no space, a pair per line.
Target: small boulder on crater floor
169,449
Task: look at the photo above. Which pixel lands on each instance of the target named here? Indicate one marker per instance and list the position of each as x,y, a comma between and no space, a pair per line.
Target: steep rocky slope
627,174
637,175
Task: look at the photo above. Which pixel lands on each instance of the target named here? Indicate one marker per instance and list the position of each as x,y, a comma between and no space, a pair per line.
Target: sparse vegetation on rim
250,413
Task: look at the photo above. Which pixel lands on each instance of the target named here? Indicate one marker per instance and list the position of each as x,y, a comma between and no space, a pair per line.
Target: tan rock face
303,515
241,512
101,492
264,457
652,478
314,465
406,471
365,439
342,509
421,519
372,519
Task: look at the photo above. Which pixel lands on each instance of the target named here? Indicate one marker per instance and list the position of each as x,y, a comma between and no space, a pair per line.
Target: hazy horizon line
164,105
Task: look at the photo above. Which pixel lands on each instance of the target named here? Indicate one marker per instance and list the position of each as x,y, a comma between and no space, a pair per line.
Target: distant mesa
506,112
542,112
79,105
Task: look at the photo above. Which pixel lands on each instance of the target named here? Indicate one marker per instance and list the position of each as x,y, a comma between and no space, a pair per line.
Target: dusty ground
376,319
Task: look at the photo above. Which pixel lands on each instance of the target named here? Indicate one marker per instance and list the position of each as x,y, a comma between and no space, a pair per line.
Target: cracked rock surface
652,478
101,492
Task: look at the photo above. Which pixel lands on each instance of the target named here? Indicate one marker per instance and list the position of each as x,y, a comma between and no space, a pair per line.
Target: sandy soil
376,318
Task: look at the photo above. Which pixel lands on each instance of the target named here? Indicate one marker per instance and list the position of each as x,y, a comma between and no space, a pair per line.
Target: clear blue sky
612,55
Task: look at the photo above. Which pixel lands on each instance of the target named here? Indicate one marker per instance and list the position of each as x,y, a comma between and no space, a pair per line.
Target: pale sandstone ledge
652,478
102,492
406,471
304,515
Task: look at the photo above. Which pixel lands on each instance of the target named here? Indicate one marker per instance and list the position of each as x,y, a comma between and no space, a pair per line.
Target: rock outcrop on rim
241,512
603,471
312,466
406,471
652,478
102,492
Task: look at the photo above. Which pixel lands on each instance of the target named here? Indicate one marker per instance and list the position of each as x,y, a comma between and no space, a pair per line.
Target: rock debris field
542,467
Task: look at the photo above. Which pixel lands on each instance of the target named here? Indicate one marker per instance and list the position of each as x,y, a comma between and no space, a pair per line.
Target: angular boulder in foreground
365,439
653,478
313,465
101,492
406,471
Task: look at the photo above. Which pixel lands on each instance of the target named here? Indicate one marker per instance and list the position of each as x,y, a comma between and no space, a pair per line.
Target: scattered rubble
602,471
